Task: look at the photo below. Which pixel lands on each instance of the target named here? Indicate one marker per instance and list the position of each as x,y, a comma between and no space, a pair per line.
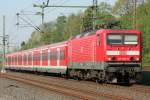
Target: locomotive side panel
82,53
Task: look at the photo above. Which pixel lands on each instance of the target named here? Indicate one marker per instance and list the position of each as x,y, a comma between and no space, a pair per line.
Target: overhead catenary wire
34,26
60,2
12,23
28,20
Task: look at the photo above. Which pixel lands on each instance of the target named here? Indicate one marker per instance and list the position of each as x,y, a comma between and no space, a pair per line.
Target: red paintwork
82,49
36,52
122,48
86,48
63,62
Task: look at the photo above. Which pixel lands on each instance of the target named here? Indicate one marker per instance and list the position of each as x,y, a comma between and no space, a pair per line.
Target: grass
145,78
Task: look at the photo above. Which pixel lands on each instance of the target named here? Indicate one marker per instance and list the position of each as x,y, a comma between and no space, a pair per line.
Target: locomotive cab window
114,39
130,39
98,39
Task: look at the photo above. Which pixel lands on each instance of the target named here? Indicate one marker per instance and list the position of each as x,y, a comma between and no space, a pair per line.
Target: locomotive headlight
109,59
137,59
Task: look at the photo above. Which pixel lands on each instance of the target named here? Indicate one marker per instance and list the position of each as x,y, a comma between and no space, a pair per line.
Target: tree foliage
142,21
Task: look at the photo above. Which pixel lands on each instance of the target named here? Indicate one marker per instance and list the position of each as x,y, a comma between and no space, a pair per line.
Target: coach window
53,55
98,39
35,57
44,56
29,58
62,55
19,59
25,59
39,57
14,60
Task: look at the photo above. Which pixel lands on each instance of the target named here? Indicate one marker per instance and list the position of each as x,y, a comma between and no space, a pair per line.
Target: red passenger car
50,58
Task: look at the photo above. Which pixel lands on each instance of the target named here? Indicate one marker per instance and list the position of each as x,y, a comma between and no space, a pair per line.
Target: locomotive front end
123,56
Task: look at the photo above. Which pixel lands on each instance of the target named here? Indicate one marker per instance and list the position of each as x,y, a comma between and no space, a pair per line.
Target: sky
9,8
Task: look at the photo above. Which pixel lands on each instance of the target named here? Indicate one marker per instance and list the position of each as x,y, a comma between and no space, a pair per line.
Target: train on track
106,55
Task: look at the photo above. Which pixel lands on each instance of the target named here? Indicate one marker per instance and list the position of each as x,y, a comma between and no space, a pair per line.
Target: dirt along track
83,89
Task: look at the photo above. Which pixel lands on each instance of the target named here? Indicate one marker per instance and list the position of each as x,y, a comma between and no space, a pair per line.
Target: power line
54,9
135,14
94,10
28,23
45,5
95,7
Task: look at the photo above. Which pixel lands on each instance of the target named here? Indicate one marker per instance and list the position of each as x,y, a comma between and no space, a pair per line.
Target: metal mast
3,67
95,6
135,14
43,6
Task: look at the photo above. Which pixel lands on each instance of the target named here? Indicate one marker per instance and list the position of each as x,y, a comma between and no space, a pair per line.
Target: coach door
58,56
99,48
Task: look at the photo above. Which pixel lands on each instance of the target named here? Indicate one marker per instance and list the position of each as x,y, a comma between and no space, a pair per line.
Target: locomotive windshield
114,39
130,39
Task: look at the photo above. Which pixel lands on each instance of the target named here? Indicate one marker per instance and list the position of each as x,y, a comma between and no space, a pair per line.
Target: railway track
137,88
140,88
70,91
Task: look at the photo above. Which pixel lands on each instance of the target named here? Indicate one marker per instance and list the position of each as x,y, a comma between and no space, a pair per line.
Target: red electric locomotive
105,55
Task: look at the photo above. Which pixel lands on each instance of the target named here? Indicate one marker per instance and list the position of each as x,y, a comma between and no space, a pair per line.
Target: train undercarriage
112,73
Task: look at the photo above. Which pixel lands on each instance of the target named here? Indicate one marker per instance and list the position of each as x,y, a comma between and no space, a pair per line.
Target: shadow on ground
145,78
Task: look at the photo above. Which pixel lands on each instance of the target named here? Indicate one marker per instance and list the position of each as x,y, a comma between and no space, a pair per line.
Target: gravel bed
91,86
13,90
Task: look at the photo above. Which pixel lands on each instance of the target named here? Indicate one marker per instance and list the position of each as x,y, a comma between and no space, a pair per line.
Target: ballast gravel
13,90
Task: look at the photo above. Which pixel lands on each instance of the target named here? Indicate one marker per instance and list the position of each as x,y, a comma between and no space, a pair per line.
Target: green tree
142,22
104,15
73,26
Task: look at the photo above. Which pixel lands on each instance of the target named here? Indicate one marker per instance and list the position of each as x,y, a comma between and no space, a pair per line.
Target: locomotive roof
104,30
84,34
